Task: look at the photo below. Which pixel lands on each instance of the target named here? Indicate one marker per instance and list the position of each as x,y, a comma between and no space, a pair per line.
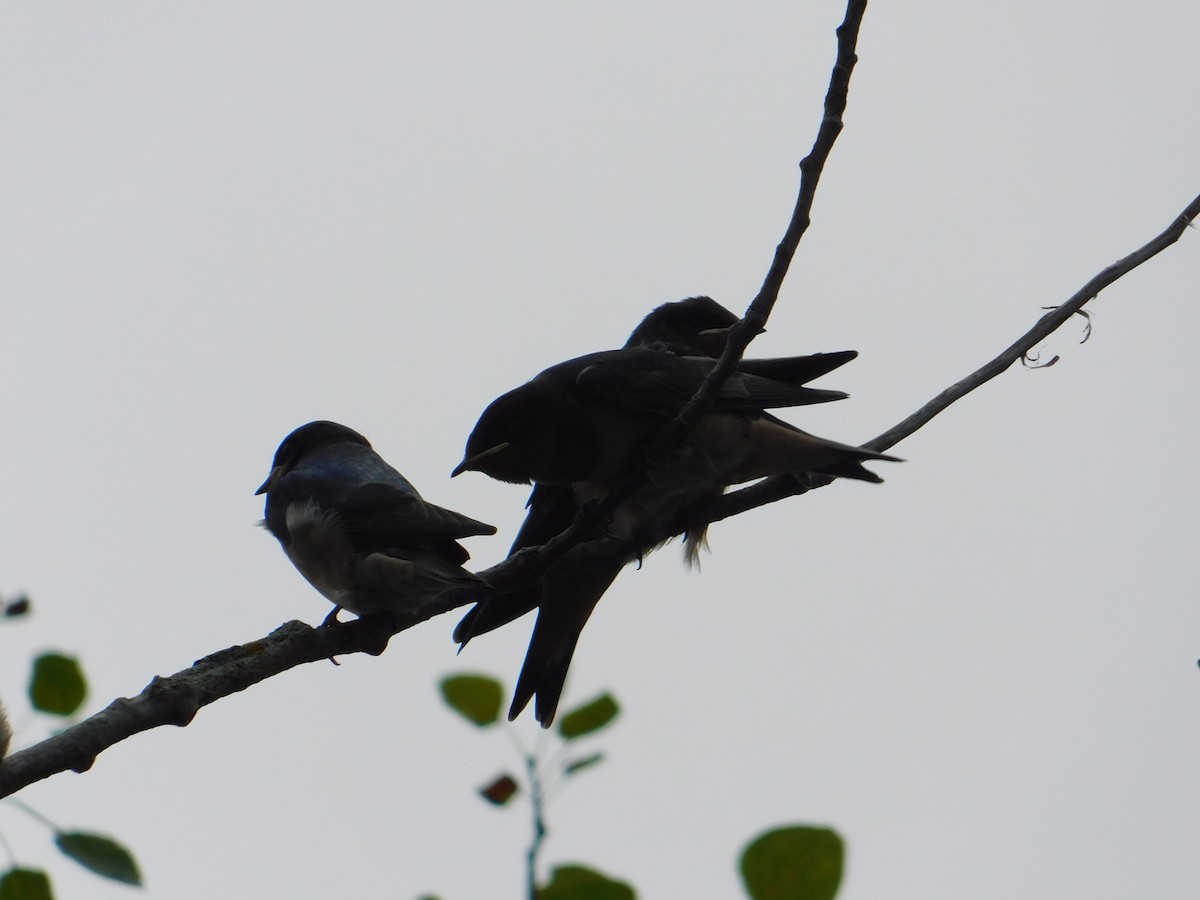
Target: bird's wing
797,369
661,383
381,516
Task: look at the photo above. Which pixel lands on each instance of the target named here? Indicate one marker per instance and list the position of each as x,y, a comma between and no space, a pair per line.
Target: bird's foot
332,619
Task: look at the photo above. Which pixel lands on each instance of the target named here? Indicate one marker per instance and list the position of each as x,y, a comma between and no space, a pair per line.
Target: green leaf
25,884
588,718
586,762
57,685
102,855
797,862
580,883
475,697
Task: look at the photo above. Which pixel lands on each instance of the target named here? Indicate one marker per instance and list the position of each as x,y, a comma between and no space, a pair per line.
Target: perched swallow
699,326
584,422
615,401
356,529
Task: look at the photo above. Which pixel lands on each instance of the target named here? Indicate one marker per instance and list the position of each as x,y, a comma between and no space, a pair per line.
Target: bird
585,422
694,326
357,530
697,326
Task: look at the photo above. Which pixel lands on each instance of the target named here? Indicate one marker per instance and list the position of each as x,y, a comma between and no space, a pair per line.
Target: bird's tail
852,465
494,612
776,447
552,508
566,603
797,369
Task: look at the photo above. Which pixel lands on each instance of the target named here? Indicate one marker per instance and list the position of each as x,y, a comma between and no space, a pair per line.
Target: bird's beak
471,463
712,340
269,483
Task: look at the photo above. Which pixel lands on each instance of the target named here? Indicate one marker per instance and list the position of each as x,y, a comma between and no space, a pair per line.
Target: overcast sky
219,221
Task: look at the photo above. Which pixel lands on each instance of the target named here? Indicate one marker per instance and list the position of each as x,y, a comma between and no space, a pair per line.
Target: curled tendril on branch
1031,359
1087,322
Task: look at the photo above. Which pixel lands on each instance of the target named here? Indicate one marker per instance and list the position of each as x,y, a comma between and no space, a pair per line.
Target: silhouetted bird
356,529
577,428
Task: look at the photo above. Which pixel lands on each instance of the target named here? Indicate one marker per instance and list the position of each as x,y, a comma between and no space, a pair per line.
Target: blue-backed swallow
357,529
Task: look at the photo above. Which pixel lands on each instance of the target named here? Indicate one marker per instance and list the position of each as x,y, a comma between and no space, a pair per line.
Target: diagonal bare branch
176,700
772,489
1045,326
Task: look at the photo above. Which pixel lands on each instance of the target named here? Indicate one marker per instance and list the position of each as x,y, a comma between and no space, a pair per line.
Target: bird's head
697,326
495,445
523,436
303,441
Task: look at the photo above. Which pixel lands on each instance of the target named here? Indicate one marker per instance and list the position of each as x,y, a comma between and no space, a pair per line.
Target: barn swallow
694,326
357,529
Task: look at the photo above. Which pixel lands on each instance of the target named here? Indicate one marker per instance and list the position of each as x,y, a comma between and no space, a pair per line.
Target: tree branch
771,490
1045,326
177,699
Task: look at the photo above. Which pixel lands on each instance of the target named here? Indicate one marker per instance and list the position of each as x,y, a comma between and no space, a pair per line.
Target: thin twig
536,801
771,490
672,436
1045,326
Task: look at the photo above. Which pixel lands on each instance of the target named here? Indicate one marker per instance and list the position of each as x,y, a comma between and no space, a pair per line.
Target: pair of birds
363,536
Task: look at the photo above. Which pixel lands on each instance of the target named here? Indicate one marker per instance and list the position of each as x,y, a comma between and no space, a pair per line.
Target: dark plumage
584,421
577,427
697,326
357,529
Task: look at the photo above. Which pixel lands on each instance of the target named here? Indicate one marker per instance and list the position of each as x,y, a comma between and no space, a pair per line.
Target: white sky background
218,222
